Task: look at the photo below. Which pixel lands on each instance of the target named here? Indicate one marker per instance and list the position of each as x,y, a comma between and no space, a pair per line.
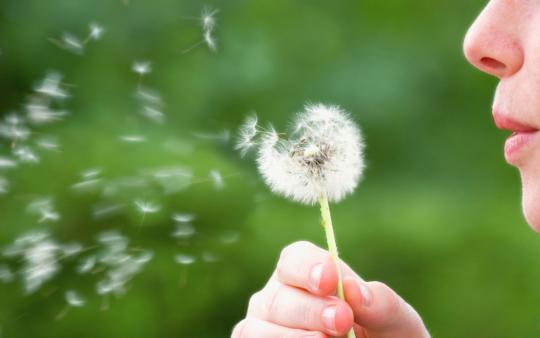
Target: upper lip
505,122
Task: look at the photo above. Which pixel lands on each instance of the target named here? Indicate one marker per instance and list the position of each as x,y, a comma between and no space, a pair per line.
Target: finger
304,265
378,308
256,328
295,308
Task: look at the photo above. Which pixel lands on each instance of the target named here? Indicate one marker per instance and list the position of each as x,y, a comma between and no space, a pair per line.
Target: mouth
521,138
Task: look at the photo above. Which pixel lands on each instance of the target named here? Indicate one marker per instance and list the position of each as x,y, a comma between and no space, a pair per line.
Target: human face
504,41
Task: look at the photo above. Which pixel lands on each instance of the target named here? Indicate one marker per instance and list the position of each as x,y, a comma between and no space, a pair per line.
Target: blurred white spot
142,67
74,299
229,237
217,179
6,275
184,259
132,138
96,31
183,231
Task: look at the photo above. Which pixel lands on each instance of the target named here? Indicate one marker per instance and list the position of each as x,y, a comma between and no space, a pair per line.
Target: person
298,299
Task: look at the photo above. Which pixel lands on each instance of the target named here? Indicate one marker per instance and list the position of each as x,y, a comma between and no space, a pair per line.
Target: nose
492,42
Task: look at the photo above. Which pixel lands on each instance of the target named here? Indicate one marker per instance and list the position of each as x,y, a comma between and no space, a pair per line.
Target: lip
516,145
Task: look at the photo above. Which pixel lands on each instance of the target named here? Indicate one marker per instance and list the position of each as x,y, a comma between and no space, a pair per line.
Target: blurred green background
437,217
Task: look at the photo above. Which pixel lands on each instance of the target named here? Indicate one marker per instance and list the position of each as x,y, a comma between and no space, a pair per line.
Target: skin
299,299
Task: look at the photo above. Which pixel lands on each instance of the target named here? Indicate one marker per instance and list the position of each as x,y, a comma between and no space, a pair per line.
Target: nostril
492,64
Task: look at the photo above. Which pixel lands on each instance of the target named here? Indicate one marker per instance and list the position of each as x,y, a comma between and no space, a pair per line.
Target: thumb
381,311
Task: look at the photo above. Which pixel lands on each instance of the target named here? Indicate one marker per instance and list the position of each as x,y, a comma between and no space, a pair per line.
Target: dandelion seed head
323,156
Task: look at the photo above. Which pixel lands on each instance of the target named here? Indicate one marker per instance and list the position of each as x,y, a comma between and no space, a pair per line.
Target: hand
299,302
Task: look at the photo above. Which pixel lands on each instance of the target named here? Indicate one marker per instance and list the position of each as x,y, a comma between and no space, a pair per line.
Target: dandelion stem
326,222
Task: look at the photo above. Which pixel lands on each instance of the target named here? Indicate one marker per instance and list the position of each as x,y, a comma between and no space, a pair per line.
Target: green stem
326,220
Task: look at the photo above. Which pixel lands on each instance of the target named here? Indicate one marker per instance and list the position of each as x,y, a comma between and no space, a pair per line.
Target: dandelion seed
208,23
15,133
247,134
40,255
25,154
50,86
87,265
38,112
4,185
104,210
72,43
96,31
149,96
146,208
223,136
74,299
91,173
71,249
153,114
48,143
132,138
6,163
6,276
210,257
86,185
184,259
142,67
229,237
217,179
172,179
183,217
183,231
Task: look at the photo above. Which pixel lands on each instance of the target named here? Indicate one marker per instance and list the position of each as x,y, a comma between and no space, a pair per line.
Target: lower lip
516,144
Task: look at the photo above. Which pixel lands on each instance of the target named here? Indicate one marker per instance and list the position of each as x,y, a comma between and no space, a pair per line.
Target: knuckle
293,247
238,331
254,301
270,302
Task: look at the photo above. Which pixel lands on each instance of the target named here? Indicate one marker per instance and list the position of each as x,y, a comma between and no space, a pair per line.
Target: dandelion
208,23
47,143
322,161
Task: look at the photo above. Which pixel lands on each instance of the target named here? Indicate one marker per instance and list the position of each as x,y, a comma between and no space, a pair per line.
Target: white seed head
322,157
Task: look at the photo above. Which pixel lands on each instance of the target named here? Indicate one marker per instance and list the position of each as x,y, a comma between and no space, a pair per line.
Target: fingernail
315,277
329,318
365,292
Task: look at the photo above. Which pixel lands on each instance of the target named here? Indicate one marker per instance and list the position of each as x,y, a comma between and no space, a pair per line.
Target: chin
531,201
